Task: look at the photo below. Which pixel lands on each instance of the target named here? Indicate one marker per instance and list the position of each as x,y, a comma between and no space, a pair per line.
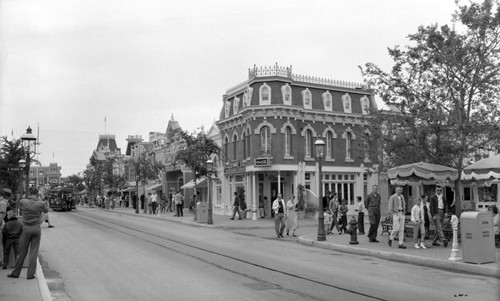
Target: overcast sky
66,65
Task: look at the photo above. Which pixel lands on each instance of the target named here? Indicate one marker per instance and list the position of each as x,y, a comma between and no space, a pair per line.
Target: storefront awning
201,182
128,189
155,187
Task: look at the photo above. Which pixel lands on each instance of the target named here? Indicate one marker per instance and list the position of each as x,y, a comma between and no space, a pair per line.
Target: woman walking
292,219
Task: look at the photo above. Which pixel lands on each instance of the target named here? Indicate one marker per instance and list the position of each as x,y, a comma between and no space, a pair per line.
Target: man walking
32,209
279,209
438,209
179,202
236,206
397,208
372,203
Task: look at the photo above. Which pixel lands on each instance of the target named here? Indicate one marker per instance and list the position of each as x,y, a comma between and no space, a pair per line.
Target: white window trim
304,94
365,100
236,105
327,97
346,99
283,93
227,108
261,101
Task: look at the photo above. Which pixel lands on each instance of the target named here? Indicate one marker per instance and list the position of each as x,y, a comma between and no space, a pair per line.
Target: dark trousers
179,210
10,244
153,206
236,209
343,218
374,218
334,223
361,222
30,240
279,223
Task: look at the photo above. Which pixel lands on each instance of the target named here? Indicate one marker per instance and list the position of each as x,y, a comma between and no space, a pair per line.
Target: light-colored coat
394,203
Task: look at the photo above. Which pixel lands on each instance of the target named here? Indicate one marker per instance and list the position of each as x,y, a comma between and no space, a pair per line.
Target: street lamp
210,172
29,147
320,146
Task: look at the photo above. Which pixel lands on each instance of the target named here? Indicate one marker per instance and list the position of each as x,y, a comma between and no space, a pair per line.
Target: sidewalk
436,257
23,289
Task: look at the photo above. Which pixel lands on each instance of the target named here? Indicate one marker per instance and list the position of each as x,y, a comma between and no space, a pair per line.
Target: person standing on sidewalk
417,219
397,208
438,207
372,203
154,202
292,218
279,209
236,206
31,209
179,202
333,206
360,208
427,216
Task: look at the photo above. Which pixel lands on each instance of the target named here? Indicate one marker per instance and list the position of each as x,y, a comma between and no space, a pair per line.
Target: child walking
417,218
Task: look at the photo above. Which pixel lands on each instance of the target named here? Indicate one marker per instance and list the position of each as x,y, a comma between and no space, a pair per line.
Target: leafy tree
76,181
145,170
447,86
111,180
11,176
196,152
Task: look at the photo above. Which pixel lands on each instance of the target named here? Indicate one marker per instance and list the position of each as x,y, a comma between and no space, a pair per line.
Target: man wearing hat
31,209
3,212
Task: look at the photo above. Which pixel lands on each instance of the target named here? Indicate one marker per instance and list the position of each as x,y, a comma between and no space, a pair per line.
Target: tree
196,152
76,181
11,176
446,84
145,170
110,179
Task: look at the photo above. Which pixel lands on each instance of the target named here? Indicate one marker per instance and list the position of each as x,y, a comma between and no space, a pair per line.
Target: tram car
62,199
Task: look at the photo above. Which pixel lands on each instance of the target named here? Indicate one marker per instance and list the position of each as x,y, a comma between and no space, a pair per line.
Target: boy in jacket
11,233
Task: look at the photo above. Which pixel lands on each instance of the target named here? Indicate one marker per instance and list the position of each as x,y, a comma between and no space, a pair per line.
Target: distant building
45,175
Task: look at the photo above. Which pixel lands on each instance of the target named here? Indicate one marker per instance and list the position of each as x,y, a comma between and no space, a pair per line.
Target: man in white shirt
438,208
279,216
397,209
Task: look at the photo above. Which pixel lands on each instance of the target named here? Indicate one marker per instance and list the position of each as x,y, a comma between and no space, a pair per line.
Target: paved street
95,254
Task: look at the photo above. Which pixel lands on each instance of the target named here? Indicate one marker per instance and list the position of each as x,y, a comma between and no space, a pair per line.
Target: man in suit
372,204
279,209
438,208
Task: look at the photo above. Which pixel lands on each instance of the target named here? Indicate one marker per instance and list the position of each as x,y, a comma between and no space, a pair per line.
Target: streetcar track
100,222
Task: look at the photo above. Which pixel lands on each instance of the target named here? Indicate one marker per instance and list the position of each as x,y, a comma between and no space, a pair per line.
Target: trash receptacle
202,212
478,238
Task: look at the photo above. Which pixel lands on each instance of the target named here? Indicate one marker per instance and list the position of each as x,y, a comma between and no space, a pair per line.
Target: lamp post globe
210,171
320,145
29,147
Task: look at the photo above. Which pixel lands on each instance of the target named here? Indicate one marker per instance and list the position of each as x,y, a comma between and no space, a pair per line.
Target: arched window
248,145
244,143
286,91
226,147
365,105
327,101
309,144
265,95
235,147
348,145
329,145
288,141
346,101
265,140
307,99
236,105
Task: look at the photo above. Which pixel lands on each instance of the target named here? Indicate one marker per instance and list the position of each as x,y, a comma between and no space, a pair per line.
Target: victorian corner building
268,126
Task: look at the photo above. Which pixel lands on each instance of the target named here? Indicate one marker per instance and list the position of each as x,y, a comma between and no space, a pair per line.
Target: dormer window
346,101
265,95
327,101
365,105
249,92
307,99
236,105
286,92
245,99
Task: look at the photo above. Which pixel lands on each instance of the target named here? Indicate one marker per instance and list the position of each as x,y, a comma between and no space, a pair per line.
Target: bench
387,226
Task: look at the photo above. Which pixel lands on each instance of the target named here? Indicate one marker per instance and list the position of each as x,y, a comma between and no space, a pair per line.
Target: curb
410,259
42,283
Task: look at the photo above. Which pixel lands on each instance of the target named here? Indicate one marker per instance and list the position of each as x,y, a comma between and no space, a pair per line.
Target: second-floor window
235,147
348,146
329,145
288,141
265,94
308,144
265,140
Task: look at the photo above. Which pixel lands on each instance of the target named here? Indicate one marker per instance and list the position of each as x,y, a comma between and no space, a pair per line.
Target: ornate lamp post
320,145
29,147
210,172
